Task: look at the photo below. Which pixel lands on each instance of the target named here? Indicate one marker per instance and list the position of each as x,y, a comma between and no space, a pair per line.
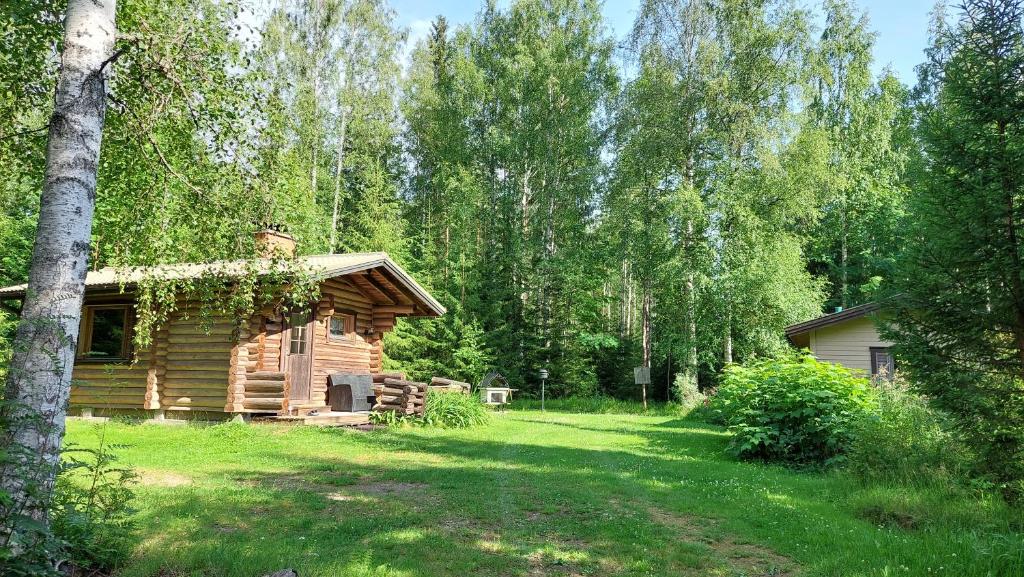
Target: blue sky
901,25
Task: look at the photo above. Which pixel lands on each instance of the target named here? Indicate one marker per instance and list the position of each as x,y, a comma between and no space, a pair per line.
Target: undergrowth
602,406
454,410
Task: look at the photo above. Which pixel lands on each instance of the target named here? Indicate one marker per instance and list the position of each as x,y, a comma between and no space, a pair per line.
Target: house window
104,334
299,323
882,365
342,327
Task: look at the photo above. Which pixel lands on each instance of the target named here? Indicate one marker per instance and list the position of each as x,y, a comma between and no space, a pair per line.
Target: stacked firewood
440,384
378,378
401,396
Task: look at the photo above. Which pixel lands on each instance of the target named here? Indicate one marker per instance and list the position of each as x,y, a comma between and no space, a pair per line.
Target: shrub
905,440
454,409
793,409
390,418
687,392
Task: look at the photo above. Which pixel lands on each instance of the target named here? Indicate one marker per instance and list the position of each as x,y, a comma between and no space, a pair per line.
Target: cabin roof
318,266
831,319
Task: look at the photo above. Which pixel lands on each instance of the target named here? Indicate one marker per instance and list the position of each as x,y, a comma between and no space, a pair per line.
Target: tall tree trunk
337,178
39,377
646,338
315,49
690,300
844,268
727,340
313,172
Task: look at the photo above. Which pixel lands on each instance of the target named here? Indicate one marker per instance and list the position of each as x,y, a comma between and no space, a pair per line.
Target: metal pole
543,374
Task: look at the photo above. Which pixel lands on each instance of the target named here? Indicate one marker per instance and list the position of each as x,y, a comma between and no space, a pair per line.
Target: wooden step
269,405
265,376
298,408
328,419
263,385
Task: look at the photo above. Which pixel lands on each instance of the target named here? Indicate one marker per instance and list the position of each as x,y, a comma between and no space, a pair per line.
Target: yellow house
847,337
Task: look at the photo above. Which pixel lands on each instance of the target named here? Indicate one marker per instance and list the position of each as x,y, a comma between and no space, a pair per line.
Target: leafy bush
707,412
905,440
793,409
452,409
687,392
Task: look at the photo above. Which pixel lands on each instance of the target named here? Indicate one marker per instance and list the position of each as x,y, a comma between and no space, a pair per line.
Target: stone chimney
273,242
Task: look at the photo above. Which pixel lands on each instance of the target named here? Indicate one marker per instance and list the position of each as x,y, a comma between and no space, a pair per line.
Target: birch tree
39,377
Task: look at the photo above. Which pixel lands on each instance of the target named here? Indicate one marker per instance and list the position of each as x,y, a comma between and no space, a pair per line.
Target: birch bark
39,377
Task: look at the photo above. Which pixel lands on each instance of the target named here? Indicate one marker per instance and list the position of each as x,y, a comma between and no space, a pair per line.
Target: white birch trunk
39,378
337,180
690,365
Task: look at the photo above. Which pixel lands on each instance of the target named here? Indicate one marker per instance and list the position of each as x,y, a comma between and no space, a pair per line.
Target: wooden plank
402,295
268,376
397,309
268,404
394,296
375,293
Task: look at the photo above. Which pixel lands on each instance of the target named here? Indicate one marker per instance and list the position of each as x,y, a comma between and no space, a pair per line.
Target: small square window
342,327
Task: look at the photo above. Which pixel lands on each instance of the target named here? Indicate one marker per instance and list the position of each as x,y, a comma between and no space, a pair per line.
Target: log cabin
274,362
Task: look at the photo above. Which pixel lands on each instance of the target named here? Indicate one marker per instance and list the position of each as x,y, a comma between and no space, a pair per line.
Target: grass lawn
529,494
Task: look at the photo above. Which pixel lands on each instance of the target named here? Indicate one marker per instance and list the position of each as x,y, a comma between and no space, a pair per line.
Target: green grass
601,405
530,494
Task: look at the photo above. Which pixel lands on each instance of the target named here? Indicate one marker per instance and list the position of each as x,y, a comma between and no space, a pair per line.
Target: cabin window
299,324
342,328
104,334
882,365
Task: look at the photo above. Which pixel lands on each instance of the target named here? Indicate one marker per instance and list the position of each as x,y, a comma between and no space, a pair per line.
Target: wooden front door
299,354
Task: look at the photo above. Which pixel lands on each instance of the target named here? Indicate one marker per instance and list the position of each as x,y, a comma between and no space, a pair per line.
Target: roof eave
431,304
830,319
427,302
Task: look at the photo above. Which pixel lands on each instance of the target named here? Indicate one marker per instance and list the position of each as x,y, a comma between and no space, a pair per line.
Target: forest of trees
578,202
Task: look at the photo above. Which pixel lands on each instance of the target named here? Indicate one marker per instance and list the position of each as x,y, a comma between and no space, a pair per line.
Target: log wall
111,386
353,355
185,368
257,382
198,361
205,366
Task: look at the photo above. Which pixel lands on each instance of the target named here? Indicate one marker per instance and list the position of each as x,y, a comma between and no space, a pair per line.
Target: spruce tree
959,293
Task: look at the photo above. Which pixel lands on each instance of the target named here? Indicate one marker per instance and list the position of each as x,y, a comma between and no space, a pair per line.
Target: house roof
831,319
319,266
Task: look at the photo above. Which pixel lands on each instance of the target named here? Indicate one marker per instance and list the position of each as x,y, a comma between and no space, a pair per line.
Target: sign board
642,375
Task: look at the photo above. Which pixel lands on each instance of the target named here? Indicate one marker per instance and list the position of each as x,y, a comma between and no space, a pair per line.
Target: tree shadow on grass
672,437
456,506
494,521
505,500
